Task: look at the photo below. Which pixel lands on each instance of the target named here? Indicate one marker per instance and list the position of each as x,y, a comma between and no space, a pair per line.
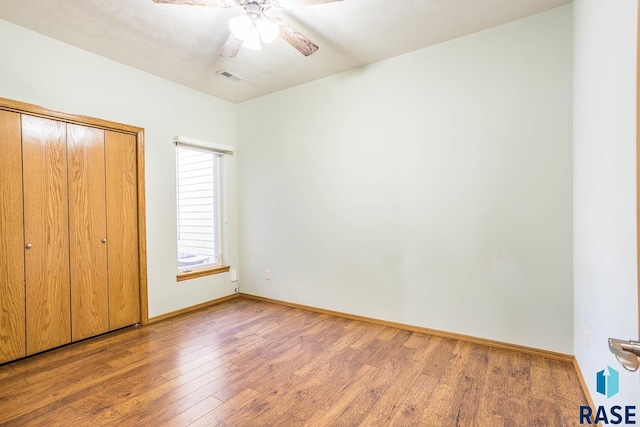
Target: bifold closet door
46,233
87,232
122,229
12,298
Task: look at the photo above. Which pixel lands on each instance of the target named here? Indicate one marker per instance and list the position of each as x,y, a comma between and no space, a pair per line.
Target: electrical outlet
267,274
233,274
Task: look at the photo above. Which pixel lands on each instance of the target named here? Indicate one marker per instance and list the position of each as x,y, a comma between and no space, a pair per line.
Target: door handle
627,353
632,347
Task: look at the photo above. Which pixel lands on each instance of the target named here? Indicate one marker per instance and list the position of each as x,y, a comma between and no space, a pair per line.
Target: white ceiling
181,43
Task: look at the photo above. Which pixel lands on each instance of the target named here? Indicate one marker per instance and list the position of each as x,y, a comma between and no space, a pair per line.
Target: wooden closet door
46,232
12,314
122,229
87,232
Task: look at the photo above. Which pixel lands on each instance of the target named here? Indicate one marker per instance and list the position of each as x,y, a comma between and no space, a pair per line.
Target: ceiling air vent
229,75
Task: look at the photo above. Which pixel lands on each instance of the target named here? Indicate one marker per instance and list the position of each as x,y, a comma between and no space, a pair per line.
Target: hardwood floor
247,362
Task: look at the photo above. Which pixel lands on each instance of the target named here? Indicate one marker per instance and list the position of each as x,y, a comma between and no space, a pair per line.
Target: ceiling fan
255,27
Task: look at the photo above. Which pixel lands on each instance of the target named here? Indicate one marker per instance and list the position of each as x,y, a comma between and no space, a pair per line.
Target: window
198,184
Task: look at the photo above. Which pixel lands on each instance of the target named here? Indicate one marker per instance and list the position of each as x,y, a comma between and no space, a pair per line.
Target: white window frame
222,151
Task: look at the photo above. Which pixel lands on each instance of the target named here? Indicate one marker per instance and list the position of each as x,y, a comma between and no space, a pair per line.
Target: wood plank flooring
246,362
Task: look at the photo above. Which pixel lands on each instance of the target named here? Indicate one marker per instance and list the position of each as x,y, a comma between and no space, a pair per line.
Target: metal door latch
627,353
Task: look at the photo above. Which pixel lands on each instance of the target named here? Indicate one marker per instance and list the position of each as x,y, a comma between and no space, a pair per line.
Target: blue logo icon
608,384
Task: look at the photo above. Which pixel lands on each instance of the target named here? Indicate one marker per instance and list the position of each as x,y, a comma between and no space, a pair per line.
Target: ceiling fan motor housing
255,10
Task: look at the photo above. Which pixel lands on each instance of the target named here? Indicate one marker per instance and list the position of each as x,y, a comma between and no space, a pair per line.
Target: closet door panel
12,298
87,232
46,231
122,229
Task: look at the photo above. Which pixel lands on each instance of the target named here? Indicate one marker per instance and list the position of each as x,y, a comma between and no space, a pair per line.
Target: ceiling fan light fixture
240,26
253,39
268,30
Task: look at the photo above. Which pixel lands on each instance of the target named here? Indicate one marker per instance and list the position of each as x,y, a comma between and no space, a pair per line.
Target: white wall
40,70
604,147
432,189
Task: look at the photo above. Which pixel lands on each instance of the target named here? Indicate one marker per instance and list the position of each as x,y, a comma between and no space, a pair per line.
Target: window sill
200,273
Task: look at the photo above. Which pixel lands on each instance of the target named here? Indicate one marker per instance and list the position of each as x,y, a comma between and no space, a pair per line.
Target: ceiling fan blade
209,3
231,47
295,38
286,4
